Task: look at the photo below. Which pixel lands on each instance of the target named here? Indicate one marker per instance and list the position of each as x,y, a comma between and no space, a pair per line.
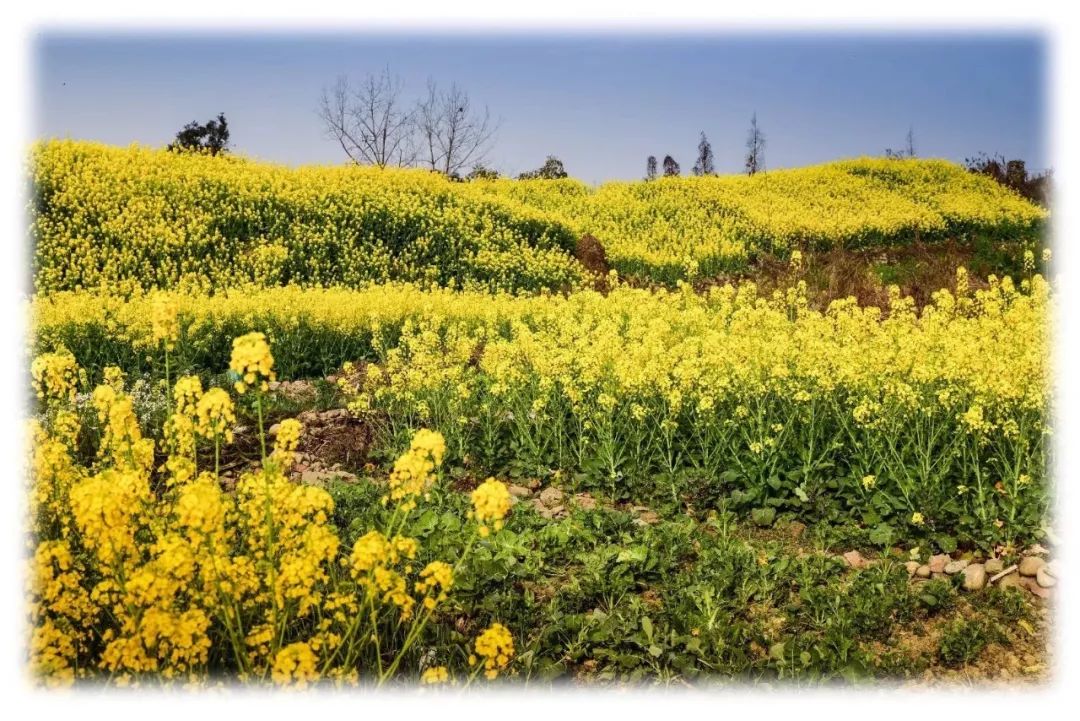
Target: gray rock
956,566
1044,579
274,429
1030,565
923,571
994,565
937,563
974,577
519,491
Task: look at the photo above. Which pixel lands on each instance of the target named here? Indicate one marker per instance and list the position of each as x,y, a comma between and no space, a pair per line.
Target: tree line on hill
446,132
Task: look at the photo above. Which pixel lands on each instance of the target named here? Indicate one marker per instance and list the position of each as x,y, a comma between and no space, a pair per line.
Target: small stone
855,559
274,429
994,565
1003,573
647,518
1044,579
935,575
956,566
551,496
1030,565
585,501
974,577
923,571
534,484
1033,585
519,491
912,567
1010,580
937,563
796,529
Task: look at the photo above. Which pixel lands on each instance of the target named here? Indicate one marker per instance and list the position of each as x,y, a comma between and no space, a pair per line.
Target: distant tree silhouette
481,172
551,169
650,168
908,151
211,137
704,164
755,148
671,168
1013,174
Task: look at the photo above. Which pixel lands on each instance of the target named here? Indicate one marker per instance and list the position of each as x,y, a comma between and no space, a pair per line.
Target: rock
974,577
534,484
1032,585
935,575
1003,573
912,567
274,429
551,496
585,501
1030,565
937,563
994,565
320,479
1044,579
1009,580
956,566
855,559
519,491
647,518
796,529
923,571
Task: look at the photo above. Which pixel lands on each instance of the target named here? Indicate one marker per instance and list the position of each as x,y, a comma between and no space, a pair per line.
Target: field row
103,215
921,424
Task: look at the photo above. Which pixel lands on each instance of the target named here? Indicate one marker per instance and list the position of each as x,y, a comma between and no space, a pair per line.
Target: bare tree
452,134
755,148
650,168
909,147
369,121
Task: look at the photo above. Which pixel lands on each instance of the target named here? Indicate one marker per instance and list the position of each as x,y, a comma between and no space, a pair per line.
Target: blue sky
602,103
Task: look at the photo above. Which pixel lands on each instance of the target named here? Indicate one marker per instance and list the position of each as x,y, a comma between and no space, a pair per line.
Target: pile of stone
1032,573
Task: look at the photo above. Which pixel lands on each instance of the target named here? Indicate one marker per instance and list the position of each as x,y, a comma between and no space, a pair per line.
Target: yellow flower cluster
252,361
142,581
165,321
55,375
156,219
150,218
414,471
214,415
491,502
496,647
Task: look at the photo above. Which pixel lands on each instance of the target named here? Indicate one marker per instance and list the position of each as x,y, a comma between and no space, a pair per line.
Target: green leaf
763,516
882,534
646,626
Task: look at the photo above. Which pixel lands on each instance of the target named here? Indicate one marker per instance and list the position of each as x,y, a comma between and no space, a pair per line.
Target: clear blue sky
602,103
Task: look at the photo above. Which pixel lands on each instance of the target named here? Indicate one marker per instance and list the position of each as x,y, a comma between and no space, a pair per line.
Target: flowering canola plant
142,575
103,216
